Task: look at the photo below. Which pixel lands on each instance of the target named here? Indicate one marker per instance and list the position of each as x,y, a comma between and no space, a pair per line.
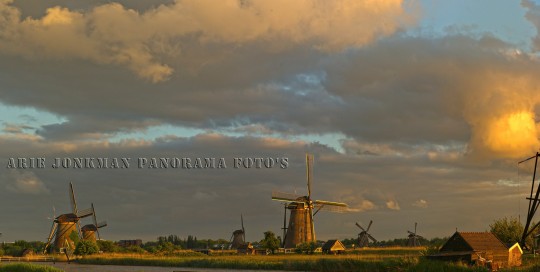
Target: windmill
65,224
89,231
414,238
238,237
534,202
364,236
301,228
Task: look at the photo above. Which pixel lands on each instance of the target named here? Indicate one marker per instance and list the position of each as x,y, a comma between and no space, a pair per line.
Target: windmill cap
68,217
89,227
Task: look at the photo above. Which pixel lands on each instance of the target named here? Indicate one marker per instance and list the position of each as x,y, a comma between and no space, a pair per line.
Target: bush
86,248
108,246
307,248
134,249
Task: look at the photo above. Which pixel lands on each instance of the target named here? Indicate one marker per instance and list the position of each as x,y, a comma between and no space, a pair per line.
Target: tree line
508,230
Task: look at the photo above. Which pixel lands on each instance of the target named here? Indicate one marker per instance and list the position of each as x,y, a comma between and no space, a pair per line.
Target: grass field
387,259
370,259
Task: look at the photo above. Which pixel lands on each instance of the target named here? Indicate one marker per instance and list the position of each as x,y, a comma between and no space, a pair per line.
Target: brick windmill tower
302,209
89,231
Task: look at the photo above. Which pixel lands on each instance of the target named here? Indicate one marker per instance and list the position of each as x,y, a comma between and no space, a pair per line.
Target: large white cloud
148,42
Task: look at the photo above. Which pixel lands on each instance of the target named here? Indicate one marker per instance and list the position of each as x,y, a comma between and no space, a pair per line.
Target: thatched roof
89,227
474,241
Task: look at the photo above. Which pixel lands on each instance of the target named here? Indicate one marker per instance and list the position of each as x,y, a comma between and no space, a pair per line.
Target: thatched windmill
65,224
364,236
89,231
301,228
238,237
414,239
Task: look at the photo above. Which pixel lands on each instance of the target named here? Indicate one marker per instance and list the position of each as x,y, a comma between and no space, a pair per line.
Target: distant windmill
364,236
89,231
65,224
414,238
238,237
301,228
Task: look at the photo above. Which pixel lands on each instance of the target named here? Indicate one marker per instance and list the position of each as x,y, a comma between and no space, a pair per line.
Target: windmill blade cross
371,237
308,174
287,197
330,203
85,213
369,226
95,220
358,225
243,230
72,198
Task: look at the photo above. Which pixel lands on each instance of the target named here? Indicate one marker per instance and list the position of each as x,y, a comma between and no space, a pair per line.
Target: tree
86,248
107,246
508,230
74,236
270,241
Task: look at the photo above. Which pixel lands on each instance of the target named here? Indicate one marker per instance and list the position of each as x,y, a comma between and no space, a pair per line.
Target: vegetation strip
25,267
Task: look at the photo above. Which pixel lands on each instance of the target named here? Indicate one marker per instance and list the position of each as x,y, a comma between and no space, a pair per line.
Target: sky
415,111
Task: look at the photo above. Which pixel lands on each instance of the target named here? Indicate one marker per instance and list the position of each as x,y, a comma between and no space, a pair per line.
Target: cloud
533,15
441,91
24,182
361,206
15,128
420,203
392,205
144,42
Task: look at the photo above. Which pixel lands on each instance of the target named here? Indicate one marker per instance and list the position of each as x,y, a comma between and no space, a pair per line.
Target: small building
479,248
262,251
514,255
333,247
245,249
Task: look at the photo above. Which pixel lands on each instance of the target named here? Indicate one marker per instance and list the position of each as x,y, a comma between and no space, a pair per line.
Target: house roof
333,245
482,241
479,241
514,246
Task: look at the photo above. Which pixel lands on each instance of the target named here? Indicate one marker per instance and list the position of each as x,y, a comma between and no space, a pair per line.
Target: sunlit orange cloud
512,135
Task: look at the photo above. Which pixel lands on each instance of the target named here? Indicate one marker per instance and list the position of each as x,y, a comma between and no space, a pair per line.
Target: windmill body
238,237
301,228
66,224
414,239
364,236
300,222
89,232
